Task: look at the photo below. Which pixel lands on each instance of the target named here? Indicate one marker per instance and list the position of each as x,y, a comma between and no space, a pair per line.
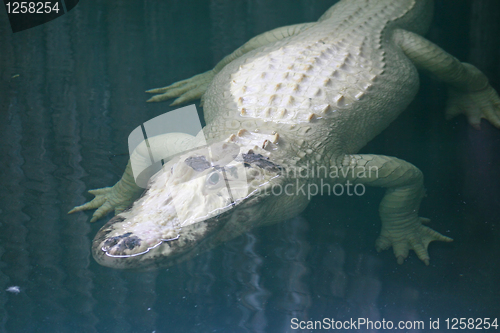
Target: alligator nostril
110,242
127,244
132,242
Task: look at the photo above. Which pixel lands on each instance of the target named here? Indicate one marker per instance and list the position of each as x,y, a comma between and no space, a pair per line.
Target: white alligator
303,97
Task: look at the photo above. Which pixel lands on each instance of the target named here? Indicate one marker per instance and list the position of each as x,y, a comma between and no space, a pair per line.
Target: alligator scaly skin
327,91
300,97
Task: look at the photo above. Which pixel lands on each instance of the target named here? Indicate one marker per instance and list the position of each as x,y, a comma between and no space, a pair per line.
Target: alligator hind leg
469,92
194,87
402,228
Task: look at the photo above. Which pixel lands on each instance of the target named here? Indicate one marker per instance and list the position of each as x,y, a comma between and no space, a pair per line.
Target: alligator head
197,201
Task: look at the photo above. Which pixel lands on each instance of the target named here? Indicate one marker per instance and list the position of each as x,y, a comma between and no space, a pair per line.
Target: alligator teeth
243,111
281,112
359,95
271,99
242,132
289,101
366,86
265,144
242,90
276,137
340,100
325,108
344,67
311,117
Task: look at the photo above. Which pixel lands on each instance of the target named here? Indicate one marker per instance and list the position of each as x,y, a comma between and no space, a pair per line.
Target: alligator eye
214,178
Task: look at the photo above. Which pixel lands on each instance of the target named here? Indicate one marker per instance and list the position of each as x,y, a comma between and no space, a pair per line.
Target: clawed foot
417,239
186,90
475,105
106,200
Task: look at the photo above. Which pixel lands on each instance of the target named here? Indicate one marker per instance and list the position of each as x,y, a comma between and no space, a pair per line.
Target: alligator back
336,84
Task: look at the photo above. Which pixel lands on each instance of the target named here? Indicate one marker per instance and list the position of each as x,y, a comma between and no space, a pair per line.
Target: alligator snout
185,208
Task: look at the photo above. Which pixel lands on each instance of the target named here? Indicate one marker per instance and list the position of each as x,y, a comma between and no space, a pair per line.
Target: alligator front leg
469,92
116,198
402,228
186,90
125,191
194,87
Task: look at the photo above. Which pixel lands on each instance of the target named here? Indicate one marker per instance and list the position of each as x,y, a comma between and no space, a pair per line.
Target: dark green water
64,123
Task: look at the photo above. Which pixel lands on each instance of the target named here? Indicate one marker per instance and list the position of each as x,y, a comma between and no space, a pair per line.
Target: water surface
64,125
